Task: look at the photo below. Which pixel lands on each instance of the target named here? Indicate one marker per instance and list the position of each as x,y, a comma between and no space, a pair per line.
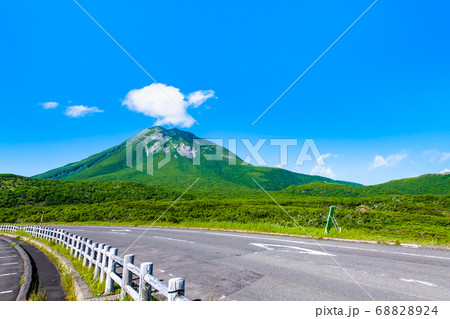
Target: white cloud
165,103
436,156
325,171
445,157
81,110
445,171
199,97
323,157
49,105
390,161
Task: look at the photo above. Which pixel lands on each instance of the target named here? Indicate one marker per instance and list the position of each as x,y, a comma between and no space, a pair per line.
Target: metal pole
42,218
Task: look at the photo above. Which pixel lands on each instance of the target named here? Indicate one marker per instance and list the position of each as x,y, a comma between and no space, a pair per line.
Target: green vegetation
87,274
67,283
102,189
38,295
421,219
431,184
24,191
437,184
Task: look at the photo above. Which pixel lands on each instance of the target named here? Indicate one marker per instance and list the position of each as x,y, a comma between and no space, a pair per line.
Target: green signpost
331,220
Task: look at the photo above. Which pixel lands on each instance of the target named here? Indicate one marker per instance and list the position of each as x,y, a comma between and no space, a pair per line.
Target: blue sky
376,104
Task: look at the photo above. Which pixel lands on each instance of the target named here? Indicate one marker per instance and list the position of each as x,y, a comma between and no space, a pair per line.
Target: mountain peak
158,139
171,152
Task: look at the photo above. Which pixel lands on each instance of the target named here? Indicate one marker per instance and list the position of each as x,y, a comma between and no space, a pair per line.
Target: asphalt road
241,266
11,270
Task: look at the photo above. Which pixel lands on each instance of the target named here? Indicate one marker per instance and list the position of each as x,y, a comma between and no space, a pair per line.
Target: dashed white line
8,256
419,282
10,274
174,239
290,249
6,292
161,270
7,264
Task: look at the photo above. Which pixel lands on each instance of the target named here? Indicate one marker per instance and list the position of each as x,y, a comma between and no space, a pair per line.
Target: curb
82,290
27,271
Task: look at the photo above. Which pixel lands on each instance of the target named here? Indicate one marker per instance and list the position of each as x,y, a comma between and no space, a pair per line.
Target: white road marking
223,297
174,239
290,249
7,264
120,230
8,256
333,266
116,233
419,282
297,242
161,270
170,275
333,246
10,274
6,292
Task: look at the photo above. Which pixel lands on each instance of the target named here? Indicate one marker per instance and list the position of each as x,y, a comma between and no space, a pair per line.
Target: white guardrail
105,260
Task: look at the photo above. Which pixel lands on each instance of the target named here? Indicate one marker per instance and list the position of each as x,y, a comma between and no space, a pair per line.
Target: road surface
241,266
11,270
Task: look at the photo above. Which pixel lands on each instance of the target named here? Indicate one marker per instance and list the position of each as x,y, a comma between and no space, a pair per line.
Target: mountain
437,184
430,184
179,172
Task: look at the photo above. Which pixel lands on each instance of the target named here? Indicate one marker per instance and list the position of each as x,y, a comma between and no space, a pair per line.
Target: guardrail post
92,259
175,288
145,290
86,252
70,243
104,262
82,247
109,287
98,260
76,242
66,240
126,274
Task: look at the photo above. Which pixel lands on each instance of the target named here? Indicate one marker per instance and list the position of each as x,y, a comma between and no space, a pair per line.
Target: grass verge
86,274
66,277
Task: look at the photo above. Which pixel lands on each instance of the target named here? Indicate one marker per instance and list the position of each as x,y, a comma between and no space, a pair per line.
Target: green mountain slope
437,184
432,184
179,172
18,191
